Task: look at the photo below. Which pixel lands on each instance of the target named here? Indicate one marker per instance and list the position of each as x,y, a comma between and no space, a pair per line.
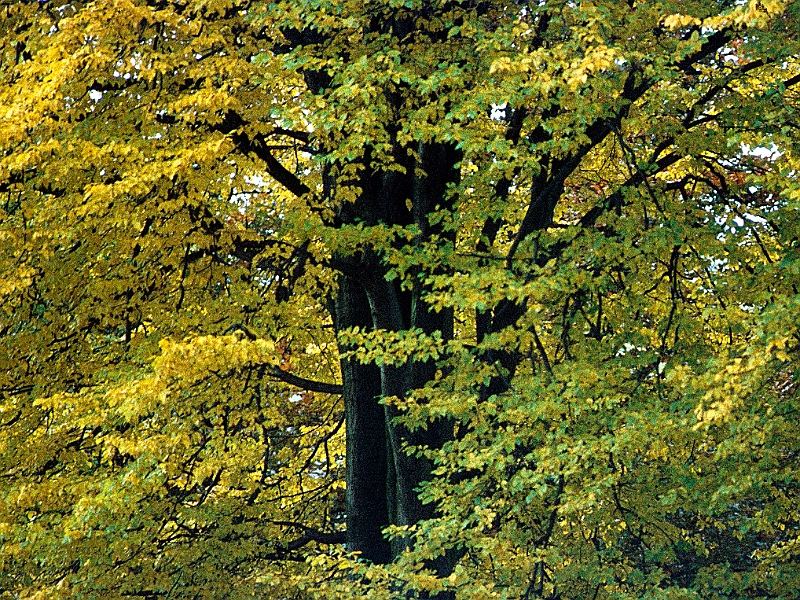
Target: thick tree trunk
382,480
366,469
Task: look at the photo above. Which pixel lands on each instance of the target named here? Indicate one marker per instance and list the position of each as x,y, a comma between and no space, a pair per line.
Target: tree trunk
382,480
366,470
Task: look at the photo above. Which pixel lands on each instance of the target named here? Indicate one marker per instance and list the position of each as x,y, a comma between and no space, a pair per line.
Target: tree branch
233,125
278,373
276,170
309,535
303,383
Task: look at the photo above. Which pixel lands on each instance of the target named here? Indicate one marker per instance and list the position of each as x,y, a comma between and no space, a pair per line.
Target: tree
464,298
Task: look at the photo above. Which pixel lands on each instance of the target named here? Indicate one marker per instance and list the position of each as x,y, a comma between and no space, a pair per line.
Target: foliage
515,283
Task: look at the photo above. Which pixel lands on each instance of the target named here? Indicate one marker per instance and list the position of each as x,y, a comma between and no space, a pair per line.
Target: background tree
478,299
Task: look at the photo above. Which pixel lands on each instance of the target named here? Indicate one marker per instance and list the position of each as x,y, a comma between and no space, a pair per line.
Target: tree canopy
399,298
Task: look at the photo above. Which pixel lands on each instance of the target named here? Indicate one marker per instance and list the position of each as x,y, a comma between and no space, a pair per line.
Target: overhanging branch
309,535
278,373
303,383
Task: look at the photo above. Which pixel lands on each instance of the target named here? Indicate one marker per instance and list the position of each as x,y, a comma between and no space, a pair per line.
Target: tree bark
366,446
382,479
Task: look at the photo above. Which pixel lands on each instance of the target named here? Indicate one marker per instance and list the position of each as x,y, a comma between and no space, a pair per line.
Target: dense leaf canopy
396,298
